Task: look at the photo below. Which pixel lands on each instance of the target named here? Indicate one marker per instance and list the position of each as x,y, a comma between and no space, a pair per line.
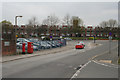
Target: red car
79,46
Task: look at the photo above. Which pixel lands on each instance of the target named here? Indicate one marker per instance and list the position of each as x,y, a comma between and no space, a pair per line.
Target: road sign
110,33
16,35
50,36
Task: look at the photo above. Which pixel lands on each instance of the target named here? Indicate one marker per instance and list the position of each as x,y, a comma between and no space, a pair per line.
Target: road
61,65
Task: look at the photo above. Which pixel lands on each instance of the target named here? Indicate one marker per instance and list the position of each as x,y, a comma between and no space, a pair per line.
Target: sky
92,13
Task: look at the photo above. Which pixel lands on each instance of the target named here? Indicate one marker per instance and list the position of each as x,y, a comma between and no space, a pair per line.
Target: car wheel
43,47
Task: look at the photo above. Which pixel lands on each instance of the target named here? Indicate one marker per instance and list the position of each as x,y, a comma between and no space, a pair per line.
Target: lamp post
48,26
16,27
16,19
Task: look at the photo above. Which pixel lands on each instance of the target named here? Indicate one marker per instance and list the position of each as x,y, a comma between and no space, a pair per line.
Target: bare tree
32,21
104,24
45,22
66,20
109,23
31,26
112,23
51,20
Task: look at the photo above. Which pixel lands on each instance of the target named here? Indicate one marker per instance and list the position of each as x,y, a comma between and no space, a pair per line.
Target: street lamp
16,27
16,20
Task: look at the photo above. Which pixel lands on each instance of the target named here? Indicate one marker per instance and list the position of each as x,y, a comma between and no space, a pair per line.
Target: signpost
16,35
51,38
94,38
110,38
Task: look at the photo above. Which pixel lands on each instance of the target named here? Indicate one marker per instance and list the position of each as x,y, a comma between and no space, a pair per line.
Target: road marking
101,54
104,64
78,71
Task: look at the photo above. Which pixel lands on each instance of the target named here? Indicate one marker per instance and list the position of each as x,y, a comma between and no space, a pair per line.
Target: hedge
90,38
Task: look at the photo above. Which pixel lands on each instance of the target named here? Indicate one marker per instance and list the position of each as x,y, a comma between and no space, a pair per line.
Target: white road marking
104,64
78,71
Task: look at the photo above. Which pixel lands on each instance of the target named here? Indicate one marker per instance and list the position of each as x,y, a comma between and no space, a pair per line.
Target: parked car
22,40
36,44
48,45
57,44
52,44
69,39
43,45
33,40
19,46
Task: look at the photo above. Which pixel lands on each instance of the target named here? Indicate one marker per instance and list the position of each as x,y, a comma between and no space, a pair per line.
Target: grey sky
92,13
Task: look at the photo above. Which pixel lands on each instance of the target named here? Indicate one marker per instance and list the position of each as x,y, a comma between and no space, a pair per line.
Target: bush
119,61
91,38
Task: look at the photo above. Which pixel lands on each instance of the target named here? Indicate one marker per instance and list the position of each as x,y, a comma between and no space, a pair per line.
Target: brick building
8,40
65,31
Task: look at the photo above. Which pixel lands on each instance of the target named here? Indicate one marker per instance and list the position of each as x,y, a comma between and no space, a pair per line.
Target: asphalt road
59,65
98,70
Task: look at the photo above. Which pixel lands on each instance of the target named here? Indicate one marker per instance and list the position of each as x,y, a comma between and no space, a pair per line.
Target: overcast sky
92,13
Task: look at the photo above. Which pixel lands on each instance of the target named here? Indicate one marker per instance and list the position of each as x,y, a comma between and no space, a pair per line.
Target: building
8,40
44,30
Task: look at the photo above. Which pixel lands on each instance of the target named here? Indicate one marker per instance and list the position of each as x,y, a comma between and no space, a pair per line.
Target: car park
52,44
39,44
48,45
56,43
33,40
43,45
59,43
22,40
19,46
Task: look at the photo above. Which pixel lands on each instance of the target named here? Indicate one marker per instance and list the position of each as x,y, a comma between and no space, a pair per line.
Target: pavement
37,53
42,52
109,57
63,64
